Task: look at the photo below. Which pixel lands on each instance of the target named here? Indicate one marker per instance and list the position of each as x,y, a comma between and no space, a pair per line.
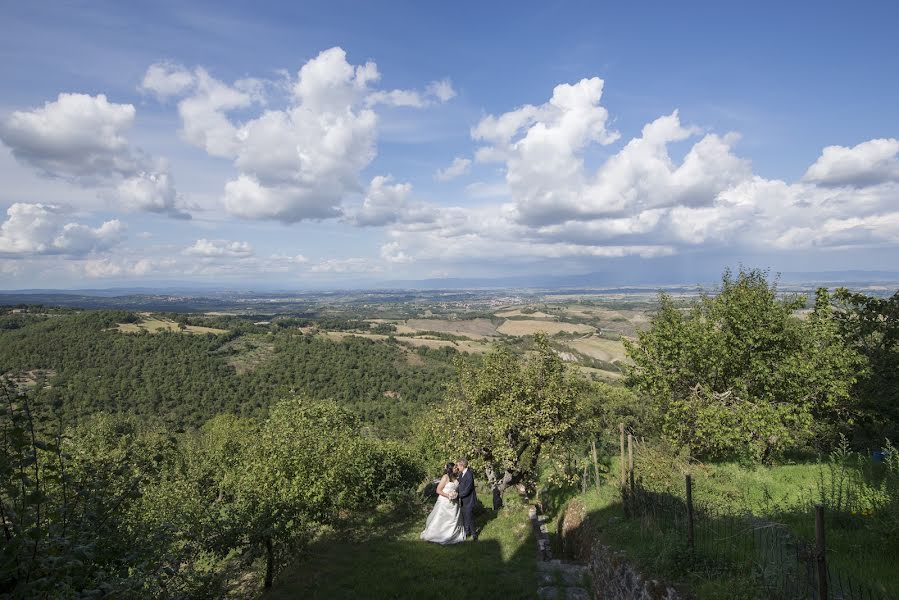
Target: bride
444,524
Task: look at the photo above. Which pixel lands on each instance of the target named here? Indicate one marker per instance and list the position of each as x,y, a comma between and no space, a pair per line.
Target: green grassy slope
387,560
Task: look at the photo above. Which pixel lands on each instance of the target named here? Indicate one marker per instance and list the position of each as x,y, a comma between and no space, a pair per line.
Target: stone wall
614,578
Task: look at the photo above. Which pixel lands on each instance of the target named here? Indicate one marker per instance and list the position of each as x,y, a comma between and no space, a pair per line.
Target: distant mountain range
606,280
586,281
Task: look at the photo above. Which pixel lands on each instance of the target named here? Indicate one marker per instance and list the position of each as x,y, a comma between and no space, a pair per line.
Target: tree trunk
269,562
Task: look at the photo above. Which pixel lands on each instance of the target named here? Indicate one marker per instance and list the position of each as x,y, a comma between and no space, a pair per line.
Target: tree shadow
731,553
385,559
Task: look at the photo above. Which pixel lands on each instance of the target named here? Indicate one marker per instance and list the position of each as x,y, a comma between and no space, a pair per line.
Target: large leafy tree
871,325
739,374
307,465
504,411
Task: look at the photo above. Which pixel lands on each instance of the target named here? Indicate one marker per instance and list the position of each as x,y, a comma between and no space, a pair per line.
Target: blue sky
301,145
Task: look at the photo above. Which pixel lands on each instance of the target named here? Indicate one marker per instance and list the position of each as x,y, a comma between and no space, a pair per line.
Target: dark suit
468,498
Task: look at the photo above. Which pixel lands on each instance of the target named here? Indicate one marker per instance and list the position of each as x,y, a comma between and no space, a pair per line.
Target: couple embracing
451,521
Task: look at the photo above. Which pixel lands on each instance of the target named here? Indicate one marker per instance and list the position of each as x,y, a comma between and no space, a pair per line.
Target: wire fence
779,564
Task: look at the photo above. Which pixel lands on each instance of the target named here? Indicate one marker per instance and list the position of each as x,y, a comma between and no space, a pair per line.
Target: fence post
690,511
595,464
621,462
821,552
630,459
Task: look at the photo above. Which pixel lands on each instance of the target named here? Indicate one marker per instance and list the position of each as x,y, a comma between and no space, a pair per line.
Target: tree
739,374
871,326
308,464
504,411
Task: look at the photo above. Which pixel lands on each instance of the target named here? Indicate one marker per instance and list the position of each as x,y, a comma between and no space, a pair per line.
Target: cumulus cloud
458,167
387,203
34,229
82,139
104,268
166,79
300,162
640,200
869,163
220,248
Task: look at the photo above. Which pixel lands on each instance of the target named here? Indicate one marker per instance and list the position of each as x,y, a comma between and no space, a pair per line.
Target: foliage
871,326
187,379
738,374
125,507
504,411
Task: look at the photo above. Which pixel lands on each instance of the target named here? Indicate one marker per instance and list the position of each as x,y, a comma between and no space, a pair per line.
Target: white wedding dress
444,524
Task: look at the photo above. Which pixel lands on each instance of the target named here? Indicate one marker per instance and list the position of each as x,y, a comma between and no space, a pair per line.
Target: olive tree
504,411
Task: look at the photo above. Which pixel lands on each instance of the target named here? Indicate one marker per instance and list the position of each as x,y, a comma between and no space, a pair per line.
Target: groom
467,497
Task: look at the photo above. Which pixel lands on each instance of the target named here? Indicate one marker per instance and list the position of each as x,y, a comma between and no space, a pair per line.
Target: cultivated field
610,351
155,325
518,312
533,326
476,329
460,345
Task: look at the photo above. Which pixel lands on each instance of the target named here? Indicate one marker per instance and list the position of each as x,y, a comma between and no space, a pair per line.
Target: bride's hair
448,470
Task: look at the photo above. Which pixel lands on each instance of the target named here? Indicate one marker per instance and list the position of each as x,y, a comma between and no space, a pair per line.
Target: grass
783,494
384,558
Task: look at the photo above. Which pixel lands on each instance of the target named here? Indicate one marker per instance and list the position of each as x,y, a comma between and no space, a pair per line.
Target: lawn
384,558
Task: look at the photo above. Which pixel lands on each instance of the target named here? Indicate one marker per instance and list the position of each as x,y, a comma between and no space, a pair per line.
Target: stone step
568,593
568,577
559,566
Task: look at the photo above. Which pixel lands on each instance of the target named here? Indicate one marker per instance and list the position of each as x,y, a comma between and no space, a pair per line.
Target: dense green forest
187,379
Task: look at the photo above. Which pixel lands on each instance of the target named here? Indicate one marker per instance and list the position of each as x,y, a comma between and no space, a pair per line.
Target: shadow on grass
734,555
386,559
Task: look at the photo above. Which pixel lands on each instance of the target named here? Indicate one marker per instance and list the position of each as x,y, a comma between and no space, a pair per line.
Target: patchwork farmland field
155,325
533,326
606,350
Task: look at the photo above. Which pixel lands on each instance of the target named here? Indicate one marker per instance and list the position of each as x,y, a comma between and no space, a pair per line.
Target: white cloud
346,265
869,163
76,137
32,229
300,162
166,79
442,90
458,167
392,252
81,139
220,248
387,203
296,259
294,164
436,92
640,201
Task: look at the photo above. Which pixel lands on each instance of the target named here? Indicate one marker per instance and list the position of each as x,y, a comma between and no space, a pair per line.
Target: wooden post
584,481
595,464
621,461
630,459
821,552
690,512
